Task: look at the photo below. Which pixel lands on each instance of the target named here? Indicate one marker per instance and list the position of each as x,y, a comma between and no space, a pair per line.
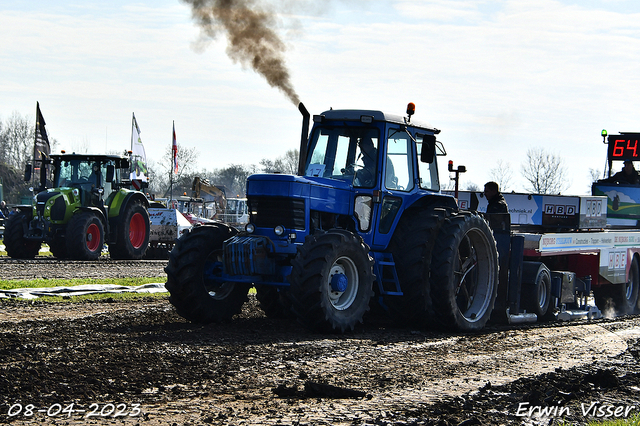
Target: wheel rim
474,276
542,293
342,300
137,230
212,268
92,238
630,287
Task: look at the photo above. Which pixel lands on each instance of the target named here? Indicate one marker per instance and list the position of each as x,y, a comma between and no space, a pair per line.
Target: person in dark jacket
628,174
497,208
497,203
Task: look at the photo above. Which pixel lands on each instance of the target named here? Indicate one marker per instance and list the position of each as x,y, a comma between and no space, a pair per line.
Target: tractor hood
323,194
52,203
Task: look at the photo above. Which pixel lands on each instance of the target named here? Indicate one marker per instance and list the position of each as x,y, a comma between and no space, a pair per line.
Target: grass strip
41,282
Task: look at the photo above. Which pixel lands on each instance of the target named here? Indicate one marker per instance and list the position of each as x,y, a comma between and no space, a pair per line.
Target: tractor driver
368,154
367,175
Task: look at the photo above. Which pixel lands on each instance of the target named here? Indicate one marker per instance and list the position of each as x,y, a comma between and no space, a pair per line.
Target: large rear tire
132,234
331,281
196,257
411,247
464,273
18,247
85,237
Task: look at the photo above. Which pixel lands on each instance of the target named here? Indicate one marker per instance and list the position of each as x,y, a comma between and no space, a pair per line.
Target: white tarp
79,290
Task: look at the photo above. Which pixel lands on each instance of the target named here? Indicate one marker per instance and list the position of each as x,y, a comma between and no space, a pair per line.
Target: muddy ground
137,362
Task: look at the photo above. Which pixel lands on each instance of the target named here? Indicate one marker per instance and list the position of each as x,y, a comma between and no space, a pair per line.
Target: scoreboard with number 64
624,146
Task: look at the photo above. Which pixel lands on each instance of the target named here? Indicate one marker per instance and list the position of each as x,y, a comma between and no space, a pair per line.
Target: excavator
203,189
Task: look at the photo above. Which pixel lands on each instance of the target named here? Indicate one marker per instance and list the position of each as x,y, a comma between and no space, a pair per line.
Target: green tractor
85,203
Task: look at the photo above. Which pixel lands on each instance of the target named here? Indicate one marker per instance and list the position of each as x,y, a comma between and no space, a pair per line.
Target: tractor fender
94,210
441,205
120,200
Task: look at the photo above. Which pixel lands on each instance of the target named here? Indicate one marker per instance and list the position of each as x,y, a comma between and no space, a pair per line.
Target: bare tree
502,175
594,175
470,186
545,172
187,162
18,136
287,164
234,178
290,161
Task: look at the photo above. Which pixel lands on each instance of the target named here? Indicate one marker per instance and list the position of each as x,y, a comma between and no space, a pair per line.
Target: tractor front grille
58,209
41,201
268,212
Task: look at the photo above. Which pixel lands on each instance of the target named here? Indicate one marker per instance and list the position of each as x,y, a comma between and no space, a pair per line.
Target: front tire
331,281
85,237
132,239
18,247
464,273
196,257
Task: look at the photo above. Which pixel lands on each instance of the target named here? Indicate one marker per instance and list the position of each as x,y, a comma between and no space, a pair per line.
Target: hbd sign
559,210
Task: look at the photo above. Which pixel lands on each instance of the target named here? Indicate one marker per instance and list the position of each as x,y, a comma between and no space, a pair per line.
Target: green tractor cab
84,203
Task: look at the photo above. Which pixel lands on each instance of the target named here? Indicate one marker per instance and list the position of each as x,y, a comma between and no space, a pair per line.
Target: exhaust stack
304,139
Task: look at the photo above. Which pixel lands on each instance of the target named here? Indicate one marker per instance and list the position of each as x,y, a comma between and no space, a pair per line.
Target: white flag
138,156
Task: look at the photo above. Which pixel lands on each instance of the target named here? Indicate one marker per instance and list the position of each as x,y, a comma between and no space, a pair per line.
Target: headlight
250,228
362,209
279,230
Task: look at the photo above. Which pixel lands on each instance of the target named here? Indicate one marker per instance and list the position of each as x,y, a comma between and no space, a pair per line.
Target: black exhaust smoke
250,27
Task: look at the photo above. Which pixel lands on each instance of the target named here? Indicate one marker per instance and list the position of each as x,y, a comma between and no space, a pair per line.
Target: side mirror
111,173
428,151
27,172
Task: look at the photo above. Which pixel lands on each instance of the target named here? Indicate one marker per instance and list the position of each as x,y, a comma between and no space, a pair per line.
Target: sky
496,77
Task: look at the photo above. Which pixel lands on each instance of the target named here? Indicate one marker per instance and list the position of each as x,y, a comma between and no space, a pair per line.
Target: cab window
399,167
428,171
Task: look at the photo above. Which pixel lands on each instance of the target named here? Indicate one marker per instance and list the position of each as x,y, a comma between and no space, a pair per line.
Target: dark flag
41,149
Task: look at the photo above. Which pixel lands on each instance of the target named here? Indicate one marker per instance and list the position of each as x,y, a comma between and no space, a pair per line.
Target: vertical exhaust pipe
304,139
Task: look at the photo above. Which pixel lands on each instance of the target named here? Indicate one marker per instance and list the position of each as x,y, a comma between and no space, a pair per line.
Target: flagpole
131,166
172,166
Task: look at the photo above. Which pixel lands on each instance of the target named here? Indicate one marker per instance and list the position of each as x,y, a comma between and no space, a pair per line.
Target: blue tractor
363,224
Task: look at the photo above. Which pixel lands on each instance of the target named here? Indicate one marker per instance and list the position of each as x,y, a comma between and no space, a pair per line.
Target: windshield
77,172
82,173
344,153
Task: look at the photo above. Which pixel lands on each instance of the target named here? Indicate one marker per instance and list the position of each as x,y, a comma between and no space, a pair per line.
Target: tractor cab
388,162
91,176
